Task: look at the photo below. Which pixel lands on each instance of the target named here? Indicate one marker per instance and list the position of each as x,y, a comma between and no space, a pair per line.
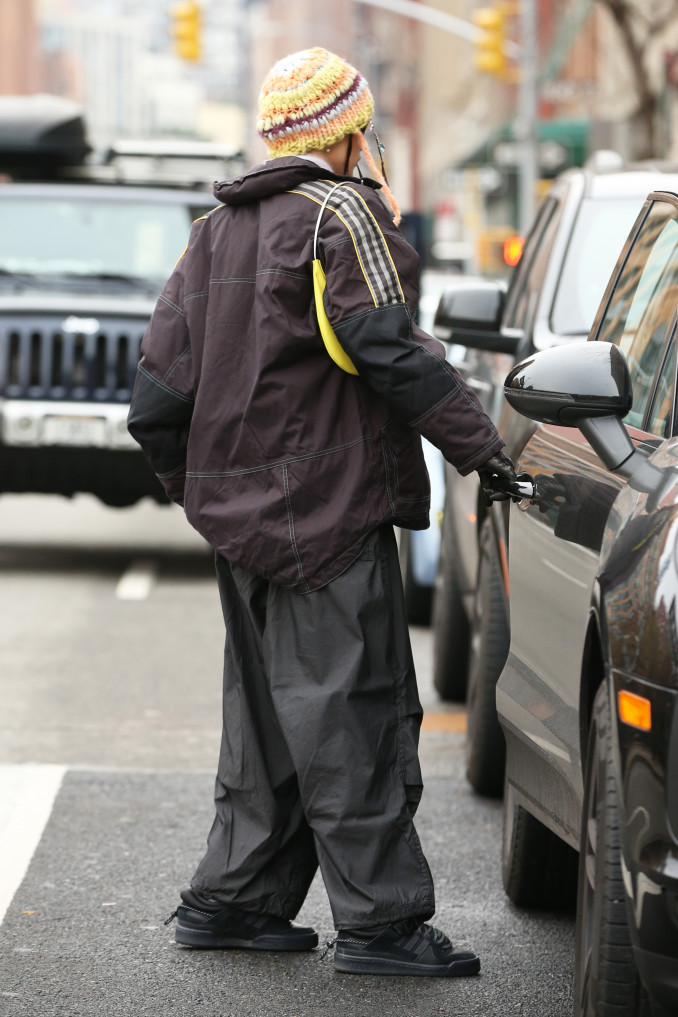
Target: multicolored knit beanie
311,100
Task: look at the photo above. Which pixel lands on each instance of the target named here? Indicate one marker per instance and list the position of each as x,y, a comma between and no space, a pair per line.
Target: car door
556,540
484,373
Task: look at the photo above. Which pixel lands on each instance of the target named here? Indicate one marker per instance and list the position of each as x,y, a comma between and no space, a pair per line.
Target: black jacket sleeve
162,401
366,307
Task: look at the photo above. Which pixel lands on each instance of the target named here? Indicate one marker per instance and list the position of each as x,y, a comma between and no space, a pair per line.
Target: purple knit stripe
289,122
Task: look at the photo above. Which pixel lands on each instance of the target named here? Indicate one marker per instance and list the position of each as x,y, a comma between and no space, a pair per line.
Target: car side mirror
470,314
585,385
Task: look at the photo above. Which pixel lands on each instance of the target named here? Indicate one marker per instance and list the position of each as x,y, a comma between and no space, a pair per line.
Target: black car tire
539,870
606,979
417,597
489,646
450,622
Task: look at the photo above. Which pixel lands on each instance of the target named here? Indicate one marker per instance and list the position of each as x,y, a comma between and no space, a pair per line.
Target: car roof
108,192
631,183
623,182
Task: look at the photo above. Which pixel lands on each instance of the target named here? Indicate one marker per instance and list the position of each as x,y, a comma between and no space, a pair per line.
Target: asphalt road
110,655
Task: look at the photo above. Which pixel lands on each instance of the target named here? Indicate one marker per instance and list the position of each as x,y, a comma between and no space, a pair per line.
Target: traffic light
489,46
493,244
513,250
187,30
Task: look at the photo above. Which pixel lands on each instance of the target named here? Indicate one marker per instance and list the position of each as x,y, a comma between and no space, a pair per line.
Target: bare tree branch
622,14
663,20
638,23
653,21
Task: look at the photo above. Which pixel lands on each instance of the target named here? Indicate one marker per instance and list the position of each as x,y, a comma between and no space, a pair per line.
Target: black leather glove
497,474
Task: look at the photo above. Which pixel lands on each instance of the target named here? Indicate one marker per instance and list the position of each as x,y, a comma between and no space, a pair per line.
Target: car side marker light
636,711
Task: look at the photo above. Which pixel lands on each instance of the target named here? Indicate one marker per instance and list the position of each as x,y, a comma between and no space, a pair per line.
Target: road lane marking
448,723
137,580
27,794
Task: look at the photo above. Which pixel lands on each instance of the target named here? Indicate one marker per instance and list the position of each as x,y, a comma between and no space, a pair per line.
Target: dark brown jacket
283,462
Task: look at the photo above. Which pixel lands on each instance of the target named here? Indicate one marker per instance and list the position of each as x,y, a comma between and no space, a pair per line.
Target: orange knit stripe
316,58
277,102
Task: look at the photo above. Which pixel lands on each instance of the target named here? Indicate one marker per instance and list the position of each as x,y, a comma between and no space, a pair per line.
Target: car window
661,411
598,236
643,304
91,236
520,297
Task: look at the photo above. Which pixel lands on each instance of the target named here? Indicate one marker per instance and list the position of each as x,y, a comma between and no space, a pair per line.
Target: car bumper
648,818
116,476
34,423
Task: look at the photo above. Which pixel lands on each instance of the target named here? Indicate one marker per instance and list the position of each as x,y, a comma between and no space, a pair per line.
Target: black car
588,697
552,299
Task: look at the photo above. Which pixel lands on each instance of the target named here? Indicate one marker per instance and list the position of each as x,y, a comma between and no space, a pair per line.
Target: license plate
82,431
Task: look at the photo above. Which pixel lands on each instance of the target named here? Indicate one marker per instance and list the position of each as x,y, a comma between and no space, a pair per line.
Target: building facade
20,64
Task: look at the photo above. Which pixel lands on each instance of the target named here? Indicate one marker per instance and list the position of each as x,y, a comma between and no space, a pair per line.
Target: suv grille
45,362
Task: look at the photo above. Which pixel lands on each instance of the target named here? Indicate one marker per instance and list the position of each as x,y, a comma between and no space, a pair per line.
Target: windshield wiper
46,278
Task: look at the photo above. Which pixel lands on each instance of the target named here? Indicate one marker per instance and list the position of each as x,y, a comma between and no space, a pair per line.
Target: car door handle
523,488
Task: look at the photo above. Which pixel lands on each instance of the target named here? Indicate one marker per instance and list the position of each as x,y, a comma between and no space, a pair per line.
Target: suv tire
539,870
450,623
417,597
606,979
489,646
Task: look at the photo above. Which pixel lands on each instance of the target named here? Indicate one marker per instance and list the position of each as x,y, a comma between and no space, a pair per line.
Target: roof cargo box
39,133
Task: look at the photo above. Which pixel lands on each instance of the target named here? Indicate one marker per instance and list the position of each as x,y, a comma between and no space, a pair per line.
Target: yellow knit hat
311,100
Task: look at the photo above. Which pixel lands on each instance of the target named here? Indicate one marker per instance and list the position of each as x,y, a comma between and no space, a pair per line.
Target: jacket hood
275,177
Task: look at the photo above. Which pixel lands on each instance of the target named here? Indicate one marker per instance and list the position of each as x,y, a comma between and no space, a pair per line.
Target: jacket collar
275,177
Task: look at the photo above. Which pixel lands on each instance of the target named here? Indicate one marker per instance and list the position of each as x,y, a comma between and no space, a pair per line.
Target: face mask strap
380,148
380,176
348,154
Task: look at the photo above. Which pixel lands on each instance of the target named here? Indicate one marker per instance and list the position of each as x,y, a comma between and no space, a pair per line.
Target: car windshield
115,240
599,233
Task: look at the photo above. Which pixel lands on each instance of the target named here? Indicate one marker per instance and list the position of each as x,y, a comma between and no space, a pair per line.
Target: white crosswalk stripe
27,794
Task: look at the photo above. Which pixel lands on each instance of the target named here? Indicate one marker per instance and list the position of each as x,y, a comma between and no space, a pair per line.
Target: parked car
588,697
552,299
83,257
419,549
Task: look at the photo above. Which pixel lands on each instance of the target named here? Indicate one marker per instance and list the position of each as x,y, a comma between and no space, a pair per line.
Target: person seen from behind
281,399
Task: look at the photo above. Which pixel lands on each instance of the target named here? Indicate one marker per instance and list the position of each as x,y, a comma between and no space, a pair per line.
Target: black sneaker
205,922
402,948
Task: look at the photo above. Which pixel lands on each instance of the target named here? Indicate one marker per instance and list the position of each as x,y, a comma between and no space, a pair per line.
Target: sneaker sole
207,940
383,966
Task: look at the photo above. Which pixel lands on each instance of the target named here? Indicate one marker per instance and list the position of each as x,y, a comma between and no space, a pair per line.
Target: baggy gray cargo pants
318,761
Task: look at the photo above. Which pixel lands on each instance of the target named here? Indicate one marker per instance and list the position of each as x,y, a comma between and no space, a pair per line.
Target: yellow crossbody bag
332,344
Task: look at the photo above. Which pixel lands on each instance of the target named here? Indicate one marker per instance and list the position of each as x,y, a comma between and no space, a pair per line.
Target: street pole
527,116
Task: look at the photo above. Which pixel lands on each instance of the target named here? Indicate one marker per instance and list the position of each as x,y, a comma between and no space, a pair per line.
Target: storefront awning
561,144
